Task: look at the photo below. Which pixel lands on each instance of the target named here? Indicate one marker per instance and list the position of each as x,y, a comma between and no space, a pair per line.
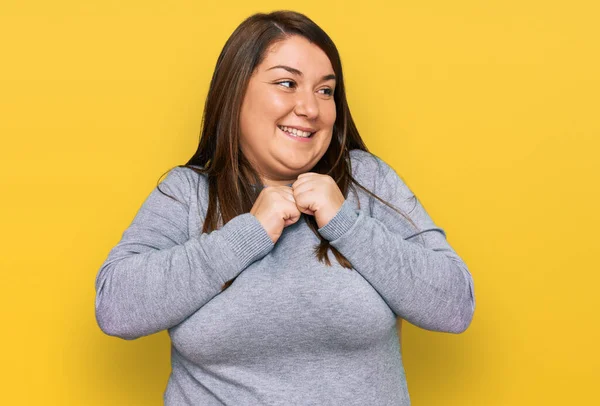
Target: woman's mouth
295,133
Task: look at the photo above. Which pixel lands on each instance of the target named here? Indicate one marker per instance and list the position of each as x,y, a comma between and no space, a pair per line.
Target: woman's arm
156,276
427,283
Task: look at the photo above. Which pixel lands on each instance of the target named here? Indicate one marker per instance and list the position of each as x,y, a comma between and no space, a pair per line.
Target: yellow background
487,109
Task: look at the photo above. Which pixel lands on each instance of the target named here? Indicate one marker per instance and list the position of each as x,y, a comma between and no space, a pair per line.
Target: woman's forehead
299,53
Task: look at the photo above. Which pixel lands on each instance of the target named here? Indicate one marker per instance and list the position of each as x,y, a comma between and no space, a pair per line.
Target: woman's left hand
318,195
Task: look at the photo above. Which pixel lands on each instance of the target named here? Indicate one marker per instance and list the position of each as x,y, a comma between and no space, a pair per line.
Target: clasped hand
312,193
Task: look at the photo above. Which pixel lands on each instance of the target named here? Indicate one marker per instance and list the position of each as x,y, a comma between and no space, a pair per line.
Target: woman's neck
276,182
279,183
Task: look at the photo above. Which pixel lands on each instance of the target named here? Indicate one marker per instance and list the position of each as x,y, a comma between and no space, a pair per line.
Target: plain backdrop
487,109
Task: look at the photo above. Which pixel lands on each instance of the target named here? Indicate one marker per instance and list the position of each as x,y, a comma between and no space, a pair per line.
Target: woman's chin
293,170
297,161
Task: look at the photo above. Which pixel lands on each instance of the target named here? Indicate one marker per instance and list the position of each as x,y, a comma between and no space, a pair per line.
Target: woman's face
291,90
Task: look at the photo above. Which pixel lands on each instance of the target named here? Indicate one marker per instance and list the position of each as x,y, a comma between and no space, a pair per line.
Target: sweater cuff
340,224
247,238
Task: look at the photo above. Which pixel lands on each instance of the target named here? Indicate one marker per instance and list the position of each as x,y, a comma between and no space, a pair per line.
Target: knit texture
289,330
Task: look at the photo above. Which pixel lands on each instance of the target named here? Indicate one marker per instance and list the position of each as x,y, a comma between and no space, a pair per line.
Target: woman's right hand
275,208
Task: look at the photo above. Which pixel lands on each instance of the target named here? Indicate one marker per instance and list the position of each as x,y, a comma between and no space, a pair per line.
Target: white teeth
295,132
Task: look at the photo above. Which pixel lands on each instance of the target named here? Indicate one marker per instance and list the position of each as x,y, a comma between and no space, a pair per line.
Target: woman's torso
289,330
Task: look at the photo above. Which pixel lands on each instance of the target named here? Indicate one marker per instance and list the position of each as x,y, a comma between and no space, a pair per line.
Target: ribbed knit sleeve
417,273
156,276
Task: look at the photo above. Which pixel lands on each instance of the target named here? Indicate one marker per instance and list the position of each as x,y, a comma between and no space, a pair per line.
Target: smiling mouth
295,133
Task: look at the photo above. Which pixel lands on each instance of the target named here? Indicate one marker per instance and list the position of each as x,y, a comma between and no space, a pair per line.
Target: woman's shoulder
367,166
188,173
186,181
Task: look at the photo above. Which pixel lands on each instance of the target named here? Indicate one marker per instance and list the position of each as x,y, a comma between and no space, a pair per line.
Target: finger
304,204
308,212
303,185
288,190
305,196
291,219
289,198
282,191
292,215
302,175
287,194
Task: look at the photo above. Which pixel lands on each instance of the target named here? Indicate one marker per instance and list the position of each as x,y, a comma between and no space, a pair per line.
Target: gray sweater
289,330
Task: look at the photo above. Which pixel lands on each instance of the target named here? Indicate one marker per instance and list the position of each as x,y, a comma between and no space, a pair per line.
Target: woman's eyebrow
295,71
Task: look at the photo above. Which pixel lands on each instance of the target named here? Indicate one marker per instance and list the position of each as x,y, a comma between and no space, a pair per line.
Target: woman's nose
307,105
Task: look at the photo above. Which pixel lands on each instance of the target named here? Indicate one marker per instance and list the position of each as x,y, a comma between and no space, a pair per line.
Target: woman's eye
292,84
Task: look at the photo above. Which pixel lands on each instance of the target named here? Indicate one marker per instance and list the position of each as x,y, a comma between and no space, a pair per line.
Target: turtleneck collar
264,186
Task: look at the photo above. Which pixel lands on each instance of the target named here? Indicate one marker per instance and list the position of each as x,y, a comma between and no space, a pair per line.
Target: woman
277,285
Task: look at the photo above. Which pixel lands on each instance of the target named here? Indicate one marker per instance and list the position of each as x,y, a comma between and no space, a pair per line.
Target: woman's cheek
277,101
331,113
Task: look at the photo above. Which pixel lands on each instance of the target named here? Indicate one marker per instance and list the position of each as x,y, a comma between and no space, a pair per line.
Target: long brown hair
231,178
